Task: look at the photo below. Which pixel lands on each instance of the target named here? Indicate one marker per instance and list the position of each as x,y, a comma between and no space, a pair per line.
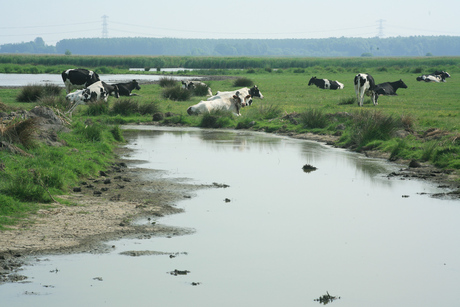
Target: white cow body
232,103
364,84
245,91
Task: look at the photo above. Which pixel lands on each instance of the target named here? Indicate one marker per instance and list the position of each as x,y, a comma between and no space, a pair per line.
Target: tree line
327,47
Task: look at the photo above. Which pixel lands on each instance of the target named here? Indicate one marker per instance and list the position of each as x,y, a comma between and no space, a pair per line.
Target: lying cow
96,91
388,88
437,76
125,89
245,91
78,78
191,85
364,84
326,84
232,104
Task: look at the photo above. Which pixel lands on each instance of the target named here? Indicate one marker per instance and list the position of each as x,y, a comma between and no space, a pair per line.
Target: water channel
15,80
277,236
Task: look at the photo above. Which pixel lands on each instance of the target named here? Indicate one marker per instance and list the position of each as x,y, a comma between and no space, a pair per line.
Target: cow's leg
375,98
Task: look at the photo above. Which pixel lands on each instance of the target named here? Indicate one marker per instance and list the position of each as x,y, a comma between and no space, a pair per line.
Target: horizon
205,19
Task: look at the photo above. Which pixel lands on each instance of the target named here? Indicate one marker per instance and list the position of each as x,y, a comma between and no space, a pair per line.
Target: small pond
277,236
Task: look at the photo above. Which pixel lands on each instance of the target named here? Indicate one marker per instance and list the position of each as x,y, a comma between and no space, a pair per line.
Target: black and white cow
388,88
232,103
437,76
364,84
96,91
326,84
125,89
191,85
78,78
253,92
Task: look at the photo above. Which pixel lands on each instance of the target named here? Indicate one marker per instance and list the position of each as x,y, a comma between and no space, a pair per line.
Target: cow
437,76
232,104
388,88
254,92
364,84
326,84
96,91
191,85
78,78
125,89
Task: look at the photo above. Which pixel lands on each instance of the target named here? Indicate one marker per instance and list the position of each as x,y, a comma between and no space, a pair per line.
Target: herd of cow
365,84
91,88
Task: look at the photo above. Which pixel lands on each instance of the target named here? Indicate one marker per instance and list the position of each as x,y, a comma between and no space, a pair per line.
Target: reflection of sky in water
285,238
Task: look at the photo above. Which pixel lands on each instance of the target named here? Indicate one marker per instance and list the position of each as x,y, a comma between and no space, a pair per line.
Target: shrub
149,108
266,111
313,118
167,82
3,107
58,102
177,93
34,92
96,108
216,119
92,132
243,82
200,90
20,132
117,133
125,107
372,125
30,93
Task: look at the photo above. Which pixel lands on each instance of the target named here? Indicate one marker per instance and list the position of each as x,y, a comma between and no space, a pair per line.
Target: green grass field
420,108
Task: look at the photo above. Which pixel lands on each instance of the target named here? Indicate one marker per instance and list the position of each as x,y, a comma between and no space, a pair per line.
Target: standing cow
78,78
364,84
326,84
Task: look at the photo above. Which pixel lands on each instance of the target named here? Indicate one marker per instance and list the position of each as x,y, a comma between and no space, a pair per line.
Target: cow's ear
248,96
234,96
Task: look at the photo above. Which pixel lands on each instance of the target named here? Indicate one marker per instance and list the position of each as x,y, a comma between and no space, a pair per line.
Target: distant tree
67,52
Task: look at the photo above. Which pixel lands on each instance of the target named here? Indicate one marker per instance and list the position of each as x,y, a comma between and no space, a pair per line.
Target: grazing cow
78,78
96,91
326,84
191,85
125,89
254,92
364,84
437,76
233,104
388,88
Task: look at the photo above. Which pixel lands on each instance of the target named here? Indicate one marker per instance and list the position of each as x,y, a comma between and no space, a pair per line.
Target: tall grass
314,118
34,92
368,126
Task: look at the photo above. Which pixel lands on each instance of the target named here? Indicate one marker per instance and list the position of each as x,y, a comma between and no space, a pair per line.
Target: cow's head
136,85
312,80
401,84
255,92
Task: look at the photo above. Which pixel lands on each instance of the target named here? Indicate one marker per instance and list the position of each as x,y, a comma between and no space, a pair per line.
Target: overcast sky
24,20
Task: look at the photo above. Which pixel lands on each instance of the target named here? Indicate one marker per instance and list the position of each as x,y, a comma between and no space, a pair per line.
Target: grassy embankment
423,107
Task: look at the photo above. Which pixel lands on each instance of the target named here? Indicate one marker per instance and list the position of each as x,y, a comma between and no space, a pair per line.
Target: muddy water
277,236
